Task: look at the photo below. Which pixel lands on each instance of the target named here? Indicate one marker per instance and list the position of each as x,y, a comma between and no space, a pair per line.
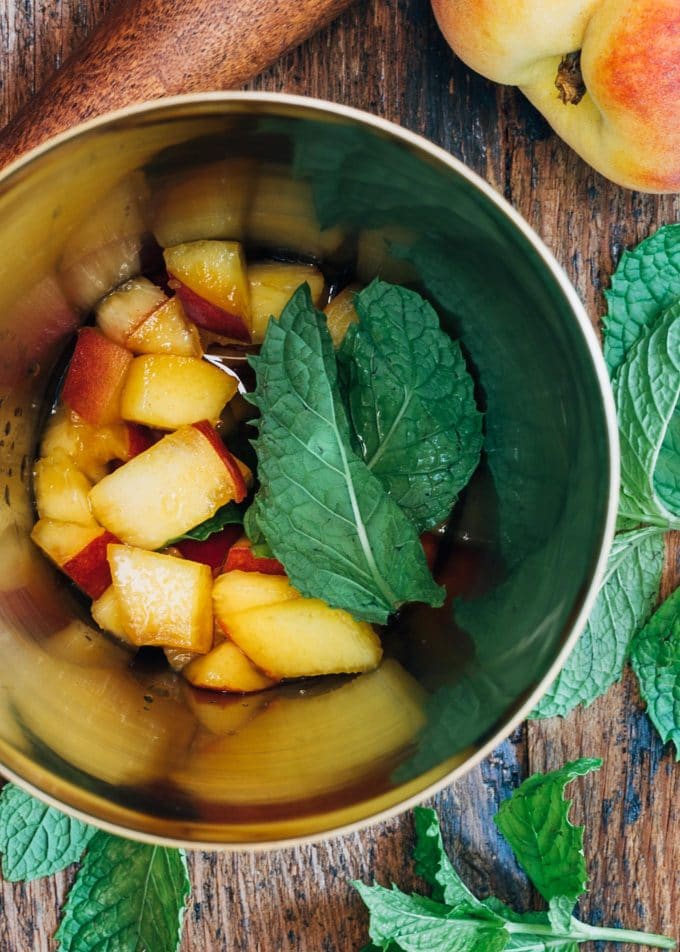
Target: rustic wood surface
386,56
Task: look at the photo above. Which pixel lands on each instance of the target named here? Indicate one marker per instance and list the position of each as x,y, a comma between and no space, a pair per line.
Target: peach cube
79,551
226,668
106,612
121,311
272,284
340,313
95,377
61,490
163,600
303,637
171,487
166,331
211,282
238,591
242,557
165,391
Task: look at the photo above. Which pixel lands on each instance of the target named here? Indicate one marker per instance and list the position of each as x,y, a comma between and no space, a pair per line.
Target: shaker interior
134,747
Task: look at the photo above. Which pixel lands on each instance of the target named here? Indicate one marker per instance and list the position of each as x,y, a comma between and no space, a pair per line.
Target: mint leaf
417,924
436,868
37,840
645,283
126,896
258,543
326,517
411,402
559,913
647,390
535,822
655,657
231,514
628,593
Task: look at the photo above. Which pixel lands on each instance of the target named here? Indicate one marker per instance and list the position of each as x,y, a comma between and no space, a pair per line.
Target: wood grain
160,48
387,56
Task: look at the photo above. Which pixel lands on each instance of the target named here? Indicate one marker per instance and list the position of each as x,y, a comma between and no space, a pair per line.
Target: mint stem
658,522
586,933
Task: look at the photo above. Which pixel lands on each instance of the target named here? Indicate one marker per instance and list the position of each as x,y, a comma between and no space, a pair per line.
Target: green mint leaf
647,390
126,896
628,594
535,822
258,544
411,402
645,283
435,867
417,924
37,840
231,514
655,657
326,517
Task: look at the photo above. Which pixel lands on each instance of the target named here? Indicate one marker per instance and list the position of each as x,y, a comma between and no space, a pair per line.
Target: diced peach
226,668
79,551
163,600
123,310
376,258
106,612
210,280
166,331
225,715
173,486
79,643
272,284
209,201
165,391
240,473
237,591
61,490
211,551
95,377
242,557
92,447
340,313
303,637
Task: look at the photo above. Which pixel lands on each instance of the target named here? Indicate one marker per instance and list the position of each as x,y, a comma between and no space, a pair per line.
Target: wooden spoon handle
144,49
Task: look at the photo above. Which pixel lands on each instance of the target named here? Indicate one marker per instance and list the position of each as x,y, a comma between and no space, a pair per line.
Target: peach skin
604,73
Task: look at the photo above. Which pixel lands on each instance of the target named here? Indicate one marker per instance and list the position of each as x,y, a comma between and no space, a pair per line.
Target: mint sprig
37,840
231,514
126,895
535,821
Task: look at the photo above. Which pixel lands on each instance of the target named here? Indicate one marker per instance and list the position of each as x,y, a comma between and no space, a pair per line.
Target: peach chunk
226,668
340,313
95,377
173,486
210,280
80,643
242,557
163,600
272,284
166,331
165,391
121,311
61,490
79,551
106,612
91,447
238,591
303,637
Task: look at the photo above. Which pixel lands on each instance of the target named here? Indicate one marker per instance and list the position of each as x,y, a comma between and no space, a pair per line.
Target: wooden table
386,56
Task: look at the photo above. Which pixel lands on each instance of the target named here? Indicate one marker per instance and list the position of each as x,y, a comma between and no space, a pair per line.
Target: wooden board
386,56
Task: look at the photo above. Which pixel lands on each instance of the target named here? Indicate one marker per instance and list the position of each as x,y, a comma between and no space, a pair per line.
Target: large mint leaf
655,656
628,593
436,868
417,924
645,283
535,822
411,402
127,896
326,517
647,390
37,840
